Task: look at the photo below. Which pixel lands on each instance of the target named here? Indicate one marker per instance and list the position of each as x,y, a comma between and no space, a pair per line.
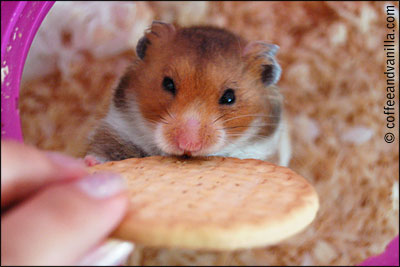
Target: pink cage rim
20,21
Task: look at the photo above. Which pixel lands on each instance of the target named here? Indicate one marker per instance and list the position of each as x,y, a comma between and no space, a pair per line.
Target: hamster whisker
153,121
250,126
251,115
258,136
163,120
220,117
170,115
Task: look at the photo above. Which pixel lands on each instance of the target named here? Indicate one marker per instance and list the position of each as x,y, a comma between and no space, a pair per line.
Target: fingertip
64,212
102,185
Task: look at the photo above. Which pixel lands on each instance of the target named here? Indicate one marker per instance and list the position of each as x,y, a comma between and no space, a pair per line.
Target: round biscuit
212,203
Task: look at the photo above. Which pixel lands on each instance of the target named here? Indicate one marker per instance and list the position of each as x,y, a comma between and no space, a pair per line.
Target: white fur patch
262,149
160,140
135,131
285,147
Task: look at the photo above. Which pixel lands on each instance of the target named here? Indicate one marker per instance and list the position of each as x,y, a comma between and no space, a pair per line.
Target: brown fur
105,141
203,62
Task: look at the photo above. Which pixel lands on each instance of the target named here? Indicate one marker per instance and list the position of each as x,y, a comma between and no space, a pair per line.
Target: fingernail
113,252
102,185
64,160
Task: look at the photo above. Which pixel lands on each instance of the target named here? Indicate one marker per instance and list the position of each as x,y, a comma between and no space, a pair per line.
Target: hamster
196,91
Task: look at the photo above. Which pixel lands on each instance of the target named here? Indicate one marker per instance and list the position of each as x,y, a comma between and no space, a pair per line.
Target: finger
62,222
25,169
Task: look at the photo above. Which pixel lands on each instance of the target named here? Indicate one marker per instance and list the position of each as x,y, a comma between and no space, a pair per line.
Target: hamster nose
188,138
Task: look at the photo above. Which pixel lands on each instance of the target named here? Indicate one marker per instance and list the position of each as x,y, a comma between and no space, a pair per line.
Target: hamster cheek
218,142
161,140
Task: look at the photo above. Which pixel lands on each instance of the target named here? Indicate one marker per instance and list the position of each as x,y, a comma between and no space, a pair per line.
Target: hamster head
200,89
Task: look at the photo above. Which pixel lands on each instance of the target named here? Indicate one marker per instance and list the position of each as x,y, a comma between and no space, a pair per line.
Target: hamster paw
91,160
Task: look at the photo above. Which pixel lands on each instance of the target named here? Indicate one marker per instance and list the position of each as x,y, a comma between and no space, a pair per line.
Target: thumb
62,222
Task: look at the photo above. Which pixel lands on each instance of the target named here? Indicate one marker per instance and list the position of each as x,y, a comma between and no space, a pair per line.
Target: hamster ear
141,47
261,55
159,33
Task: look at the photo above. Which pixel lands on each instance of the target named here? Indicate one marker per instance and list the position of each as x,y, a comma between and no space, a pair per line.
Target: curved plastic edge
20,21
390,257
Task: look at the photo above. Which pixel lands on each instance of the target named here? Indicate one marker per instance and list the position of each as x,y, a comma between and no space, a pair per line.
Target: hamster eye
228,98
168,85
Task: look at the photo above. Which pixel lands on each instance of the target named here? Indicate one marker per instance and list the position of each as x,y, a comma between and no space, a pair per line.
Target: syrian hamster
196,91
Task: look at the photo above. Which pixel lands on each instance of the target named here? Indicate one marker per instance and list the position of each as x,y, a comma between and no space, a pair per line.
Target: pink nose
188,139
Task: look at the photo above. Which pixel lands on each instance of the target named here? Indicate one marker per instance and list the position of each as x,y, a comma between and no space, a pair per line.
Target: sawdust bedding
333,61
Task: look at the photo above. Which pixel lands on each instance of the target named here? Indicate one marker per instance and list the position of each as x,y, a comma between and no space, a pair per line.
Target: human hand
53,213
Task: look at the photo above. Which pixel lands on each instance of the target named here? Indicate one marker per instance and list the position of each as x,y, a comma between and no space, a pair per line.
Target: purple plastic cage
20,21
